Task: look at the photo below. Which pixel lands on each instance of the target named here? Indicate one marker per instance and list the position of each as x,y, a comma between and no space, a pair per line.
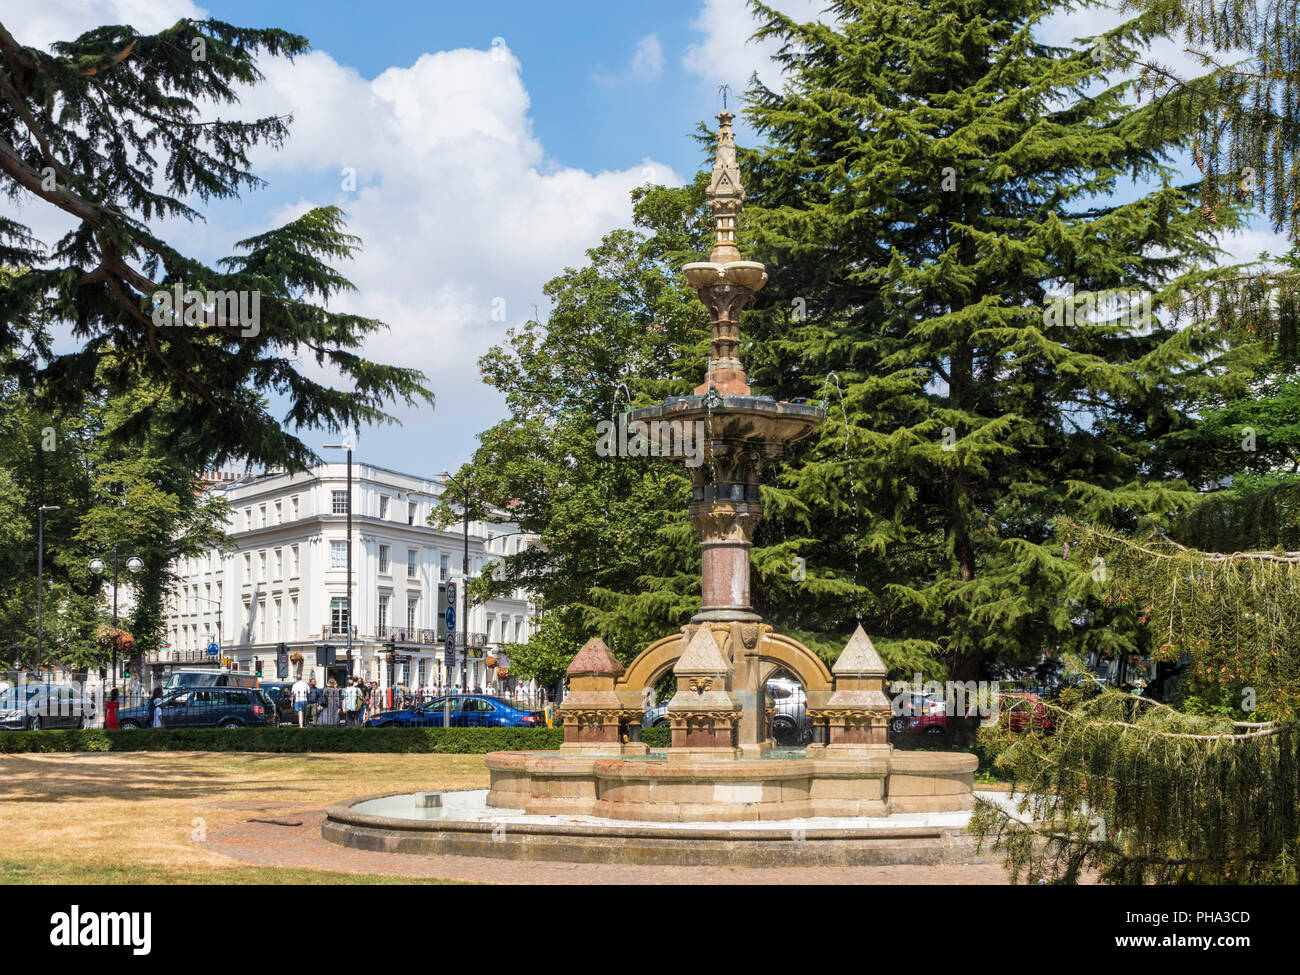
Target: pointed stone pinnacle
860,658
702,656
595,658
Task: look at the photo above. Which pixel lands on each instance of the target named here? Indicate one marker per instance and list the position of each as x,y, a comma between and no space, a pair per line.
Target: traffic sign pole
449,653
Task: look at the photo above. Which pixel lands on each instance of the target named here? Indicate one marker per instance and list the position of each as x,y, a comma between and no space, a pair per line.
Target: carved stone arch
651,664
779,650
775,650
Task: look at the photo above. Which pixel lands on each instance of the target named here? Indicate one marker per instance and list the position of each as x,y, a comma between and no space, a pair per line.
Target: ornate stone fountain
721,793
720,765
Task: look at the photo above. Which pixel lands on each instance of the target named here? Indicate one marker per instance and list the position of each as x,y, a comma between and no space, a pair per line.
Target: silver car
791,725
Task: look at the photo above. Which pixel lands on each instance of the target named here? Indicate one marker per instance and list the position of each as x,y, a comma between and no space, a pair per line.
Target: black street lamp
135,567
464,585
40,579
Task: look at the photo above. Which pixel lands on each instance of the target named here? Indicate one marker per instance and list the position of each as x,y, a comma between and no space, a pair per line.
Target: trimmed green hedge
457,741
454,741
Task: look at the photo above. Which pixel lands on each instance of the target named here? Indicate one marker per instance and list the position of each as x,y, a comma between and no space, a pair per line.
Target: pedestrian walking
313,701
155,709
301,690
330,704
110,710
352,701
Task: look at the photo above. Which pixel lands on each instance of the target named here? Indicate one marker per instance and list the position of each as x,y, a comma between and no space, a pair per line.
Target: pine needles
1142,794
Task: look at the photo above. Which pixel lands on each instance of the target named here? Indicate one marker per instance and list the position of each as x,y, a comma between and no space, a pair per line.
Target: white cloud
726,55
648,61
462,214
39,24
647,64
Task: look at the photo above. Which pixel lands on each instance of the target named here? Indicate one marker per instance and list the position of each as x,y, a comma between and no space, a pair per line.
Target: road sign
450,618
451,594
213,650
449,644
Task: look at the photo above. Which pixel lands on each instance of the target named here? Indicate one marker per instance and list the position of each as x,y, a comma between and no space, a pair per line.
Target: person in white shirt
300,690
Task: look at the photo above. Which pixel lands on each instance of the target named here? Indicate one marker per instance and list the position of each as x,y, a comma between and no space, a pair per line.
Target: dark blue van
207,707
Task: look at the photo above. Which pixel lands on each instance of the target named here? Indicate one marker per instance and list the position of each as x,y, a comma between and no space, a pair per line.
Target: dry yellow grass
131,817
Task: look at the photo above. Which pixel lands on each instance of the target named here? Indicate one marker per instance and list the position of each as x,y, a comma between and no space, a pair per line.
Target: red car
1024,711
919,714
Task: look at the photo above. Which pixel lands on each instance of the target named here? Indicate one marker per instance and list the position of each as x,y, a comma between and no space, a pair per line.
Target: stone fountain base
462,824
653,789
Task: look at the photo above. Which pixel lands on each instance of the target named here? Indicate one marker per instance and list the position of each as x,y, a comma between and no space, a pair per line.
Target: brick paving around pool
273,845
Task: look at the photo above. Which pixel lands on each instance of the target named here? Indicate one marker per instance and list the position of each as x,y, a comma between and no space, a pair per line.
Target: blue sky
490,144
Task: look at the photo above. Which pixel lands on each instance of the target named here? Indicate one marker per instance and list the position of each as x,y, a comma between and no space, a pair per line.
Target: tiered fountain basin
755,421
463,824
782,786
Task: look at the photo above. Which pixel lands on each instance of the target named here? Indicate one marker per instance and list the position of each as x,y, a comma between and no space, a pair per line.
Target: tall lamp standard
348,447
40,579
134,566
464,585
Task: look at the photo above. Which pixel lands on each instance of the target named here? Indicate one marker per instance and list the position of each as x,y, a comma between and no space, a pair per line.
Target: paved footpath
273,845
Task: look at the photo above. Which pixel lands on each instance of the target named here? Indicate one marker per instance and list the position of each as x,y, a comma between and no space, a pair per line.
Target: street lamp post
348,447
134,566
40,579
464,585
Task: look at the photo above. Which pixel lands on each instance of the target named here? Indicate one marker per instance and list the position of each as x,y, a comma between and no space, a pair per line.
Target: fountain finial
725,195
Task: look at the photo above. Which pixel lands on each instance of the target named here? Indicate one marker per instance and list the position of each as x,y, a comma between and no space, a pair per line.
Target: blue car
467,711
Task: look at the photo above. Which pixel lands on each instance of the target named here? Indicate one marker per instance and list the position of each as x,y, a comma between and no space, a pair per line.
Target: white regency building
285,581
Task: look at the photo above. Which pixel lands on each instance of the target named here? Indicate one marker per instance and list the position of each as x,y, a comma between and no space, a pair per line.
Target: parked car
209,678
281,693
207,707
467,711
1024,712
919,713
791,725
33,707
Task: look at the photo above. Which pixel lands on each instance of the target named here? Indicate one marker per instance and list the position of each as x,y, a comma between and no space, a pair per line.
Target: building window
293,507
338,555
339,616
248,519
279,512
248,566
339,502
261,566
491,625
411,509
411,561
383,559
261,621
293,618
279,563
293,562
383,614
519,631
444,566
412,605
383,507
261,514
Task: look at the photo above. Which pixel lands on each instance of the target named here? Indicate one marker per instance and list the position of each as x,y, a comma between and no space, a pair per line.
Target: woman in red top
110,710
